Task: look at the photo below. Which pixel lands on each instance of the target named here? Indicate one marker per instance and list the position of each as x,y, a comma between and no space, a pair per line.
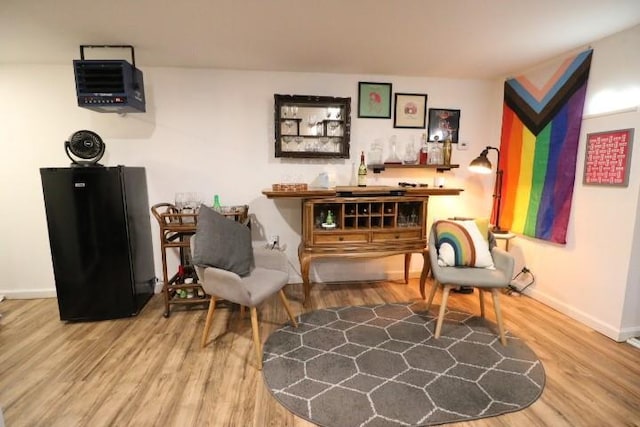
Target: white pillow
461,244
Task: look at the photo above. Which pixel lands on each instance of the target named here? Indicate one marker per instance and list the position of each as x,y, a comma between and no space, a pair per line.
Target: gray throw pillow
222,243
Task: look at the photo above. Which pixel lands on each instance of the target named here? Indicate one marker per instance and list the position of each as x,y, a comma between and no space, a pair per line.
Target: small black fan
85,145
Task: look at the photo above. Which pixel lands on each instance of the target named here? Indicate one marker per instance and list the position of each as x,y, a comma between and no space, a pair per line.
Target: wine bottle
362,172
180,276
424,148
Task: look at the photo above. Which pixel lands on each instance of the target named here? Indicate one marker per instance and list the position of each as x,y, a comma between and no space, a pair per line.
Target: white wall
594,278
211,131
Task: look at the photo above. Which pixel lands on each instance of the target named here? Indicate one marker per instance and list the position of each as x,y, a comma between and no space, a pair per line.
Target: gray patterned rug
380,366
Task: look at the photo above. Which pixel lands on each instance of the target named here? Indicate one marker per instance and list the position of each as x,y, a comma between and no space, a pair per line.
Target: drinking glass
194,200
180,201
286,113
312,121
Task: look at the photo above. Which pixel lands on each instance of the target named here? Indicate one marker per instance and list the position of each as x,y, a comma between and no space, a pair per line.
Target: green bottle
216,203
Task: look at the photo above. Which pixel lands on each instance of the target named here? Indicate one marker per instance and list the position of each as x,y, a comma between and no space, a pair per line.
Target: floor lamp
481,164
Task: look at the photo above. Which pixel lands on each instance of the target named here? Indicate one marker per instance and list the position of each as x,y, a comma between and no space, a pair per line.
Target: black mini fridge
100,237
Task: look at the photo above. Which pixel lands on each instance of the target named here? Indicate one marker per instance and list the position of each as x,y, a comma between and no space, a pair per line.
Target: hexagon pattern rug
381,366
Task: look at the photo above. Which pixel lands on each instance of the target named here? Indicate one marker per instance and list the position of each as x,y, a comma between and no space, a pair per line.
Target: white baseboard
157,287
628,333
29,294
634,342
46,293
616,334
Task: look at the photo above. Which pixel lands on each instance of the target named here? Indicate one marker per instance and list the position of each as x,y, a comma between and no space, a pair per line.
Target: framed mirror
312,126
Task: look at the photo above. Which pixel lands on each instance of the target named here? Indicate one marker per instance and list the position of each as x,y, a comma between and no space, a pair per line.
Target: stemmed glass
286,111
312,121
333,113
333,124
322,137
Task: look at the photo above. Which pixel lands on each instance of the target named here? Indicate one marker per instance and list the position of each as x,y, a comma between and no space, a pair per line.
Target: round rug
381,366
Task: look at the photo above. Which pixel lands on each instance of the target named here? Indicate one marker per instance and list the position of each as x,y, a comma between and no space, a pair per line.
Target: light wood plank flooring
151,371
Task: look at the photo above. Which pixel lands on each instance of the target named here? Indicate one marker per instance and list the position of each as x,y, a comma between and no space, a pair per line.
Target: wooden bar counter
363,222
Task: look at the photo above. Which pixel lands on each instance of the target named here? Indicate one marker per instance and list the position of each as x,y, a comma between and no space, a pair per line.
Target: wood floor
151,371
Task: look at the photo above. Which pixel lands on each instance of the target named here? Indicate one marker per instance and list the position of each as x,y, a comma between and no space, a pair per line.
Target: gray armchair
268,276
482,278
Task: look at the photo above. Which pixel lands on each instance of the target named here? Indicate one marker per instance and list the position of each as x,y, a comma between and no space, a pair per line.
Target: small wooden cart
176,229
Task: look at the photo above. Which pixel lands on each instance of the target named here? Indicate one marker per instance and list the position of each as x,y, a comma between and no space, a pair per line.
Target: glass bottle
393,155
216,203
432,152
320,219
446,151
362,172
435,154
181,275
375,155
329,218
423,149
410,157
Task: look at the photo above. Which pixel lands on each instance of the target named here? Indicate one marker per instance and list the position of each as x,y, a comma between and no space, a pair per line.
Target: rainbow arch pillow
461,244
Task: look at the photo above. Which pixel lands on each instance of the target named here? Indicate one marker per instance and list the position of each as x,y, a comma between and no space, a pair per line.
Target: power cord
512,289
294,268
276,246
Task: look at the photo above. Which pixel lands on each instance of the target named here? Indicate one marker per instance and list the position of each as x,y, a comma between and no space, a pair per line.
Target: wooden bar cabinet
363,222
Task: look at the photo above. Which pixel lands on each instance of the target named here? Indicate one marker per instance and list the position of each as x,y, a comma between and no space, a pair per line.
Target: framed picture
410,111
443,123
607,159
374,100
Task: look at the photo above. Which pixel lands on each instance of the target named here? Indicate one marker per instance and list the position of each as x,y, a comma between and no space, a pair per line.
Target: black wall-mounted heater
109,86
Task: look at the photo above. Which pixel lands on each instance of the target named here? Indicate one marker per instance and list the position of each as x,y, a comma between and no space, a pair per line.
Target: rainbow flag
538,148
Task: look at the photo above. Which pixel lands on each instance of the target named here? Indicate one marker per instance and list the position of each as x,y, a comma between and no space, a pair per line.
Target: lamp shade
481,164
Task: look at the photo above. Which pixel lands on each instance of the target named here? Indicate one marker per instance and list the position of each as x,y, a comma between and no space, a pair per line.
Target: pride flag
538,148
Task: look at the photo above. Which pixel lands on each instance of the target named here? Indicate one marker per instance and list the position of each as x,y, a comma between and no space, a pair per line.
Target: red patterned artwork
607,158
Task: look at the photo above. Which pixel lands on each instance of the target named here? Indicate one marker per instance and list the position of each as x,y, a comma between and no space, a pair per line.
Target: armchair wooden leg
287,307
256,336
496,305
481,295
407,265
207,323
426,267
432,294
443,307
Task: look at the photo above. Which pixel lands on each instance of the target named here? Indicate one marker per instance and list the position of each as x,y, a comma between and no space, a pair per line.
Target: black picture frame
410,110
311,126
374,100
443,121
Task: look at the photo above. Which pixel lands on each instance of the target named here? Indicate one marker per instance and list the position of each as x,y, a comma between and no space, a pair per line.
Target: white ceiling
436,38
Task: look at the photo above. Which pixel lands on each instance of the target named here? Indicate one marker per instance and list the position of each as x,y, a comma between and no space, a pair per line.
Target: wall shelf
382,167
